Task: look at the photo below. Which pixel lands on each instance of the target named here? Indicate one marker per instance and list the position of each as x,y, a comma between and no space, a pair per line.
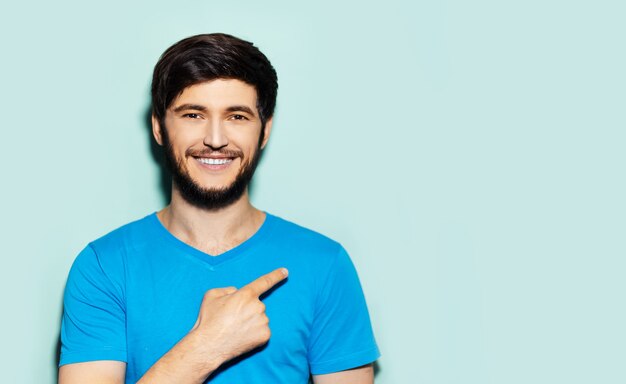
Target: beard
211,199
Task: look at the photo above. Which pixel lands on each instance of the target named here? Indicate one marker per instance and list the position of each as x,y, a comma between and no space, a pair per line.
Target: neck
213,232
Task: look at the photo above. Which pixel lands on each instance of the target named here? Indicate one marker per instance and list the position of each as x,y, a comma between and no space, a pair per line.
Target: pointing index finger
266,282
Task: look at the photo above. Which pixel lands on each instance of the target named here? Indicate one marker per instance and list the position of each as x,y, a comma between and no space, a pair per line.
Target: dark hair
211,56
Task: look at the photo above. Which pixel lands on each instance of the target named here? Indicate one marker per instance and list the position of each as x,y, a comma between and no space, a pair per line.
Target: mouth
215,161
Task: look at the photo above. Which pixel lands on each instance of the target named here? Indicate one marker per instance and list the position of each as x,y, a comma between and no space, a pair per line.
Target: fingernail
284,271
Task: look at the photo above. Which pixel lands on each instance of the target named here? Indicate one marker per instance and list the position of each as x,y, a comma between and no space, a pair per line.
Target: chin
213,186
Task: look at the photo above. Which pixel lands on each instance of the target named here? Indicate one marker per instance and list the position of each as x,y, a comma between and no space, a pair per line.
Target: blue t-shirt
134,293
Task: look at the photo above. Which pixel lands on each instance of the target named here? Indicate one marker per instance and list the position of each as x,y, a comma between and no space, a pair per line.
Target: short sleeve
93,323
341,334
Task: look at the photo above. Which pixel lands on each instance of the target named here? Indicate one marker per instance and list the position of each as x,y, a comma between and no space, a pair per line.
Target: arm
204,349
97,372
360,375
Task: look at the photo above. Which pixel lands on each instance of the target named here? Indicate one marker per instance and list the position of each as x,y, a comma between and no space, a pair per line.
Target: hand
232,322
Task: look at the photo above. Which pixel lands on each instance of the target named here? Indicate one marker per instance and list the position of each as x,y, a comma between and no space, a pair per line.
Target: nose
215,136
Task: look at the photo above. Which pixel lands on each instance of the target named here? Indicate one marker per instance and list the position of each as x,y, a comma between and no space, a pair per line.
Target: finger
219,292
265,282
229,290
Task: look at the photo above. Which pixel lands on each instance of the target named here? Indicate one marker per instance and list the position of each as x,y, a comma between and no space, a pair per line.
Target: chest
163,303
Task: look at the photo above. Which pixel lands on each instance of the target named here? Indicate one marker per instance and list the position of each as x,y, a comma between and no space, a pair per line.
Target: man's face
212,141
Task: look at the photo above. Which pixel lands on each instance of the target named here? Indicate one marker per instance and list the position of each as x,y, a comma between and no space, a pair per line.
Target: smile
211,161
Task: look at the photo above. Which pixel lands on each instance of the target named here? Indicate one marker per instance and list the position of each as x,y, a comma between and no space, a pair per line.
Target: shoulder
132,235
301,245
109,251
292,233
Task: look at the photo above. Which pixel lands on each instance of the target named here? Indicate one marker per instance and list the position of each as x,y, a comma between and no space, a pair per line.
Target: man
187,294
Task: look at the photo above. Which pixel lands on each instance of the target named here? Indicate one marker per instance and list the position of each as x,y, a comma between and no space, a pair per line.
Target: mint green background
469,155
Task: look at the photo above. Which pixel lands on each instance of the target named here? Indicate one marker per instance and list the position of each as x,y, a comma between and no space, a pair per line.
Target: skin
212,115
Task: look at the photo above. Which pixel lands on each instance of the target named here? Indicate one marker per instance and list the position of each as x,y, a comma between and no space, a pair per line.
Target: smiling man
211,289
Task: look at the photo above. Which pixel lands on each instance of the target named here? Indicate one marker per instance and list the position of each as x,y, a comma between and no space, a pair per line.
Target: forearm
190,361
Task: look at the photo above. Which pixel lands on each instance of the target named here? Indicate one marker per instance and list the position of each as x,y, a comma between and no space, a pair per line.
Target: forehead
218,94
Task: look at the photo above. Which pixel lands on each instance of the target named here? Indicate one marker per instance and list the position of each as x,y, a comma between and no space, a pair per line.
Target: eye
192,115
238,117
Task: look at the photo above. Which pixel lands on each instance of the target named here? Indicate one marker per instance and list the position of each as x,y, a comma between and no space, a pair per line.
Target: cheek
247,140
181,140
182,132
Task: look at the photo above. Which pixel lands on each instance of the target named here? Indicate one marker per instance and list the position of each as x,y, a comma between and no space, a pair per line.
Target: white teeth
214,161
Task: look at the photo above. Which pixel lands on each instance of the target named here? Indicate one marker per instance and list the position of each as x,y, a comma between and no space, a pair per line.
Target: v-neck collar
163,233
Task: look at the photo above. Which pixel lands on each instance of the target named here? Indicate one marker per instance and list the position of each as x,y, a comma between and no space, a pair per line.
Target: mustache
206,152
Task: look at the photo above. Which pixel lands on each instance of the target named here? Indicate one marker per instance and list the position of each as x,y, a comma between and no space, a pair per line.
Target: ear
266,132
156,131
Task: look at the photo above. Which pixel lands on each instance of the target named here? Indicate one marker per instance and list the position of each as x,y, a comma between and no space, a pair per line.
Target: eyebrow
186,107
240,108
202,108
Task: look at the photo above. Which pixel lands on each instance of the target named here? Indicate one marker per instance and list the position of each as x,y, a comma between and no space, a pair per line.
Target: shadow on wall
158,155
57,350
